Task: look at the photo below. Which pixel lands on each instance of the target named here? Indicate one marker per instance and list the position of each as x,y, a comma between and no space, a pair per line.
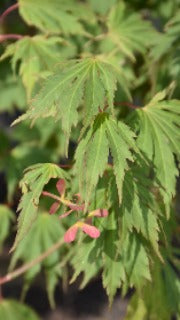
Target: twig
16,273
69,166
51,195
8,10
4,37
128,104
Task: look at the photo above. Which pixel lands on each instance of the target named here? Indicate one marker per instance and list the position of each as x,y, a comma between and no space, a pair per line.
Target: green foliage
17,309
37,55
55,17
12,94
139,209
92,153
32,184
128,31
157,124
114,274
165,288
63,92
91,77
44,233
6,217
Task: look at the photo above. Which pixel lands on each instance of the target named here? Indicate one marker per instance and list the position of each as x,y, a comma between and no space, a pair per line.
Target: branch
128,104
16,273
6,12
4,37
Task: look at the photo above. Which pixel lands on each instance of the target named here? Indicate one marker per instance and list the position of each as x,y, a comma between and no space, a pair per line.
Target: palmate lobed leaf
87,254
164,288
159,137
102,6
139,209
20,311
129,32
91,156
164,42
6,218
90,78
135,261
114,273
36,55
32,184
57,16
12,94
44,233
22,156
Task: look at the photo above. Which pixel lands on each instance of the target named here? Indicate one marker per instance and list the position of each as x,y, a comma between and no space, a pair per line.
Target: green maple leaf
102,6
135,260
113,275
92,153
57,16
22,156
164,288
37,55
128,32
139,209
12,94
6,217
32,184
62,94
158,137
165,41
86,252
17,309
44,233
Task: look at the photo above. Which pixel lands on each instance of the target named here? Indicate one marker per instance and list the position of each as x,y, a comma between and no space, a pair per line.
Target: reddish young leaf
92,231
61,186
55,206
70,234
65,214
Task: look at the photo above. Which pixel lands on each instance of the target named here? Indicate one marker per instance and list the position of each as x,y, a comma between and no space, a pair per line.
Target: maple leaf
113,275
129,32
93,150
37,55
63,92
164,42
157,125
87,254
139,209
135,261
6,217
32,185
19,310
57,16
45,231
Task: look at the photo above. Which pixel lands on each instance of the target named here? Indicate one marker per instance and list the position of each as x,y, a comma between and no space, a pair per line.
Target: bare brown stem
19,271
8,10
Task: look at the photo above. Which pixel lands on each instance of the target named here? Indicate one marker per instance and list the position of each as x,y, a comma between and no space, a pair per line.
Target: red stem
4,37
69,166
128,104
10,9
51,195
